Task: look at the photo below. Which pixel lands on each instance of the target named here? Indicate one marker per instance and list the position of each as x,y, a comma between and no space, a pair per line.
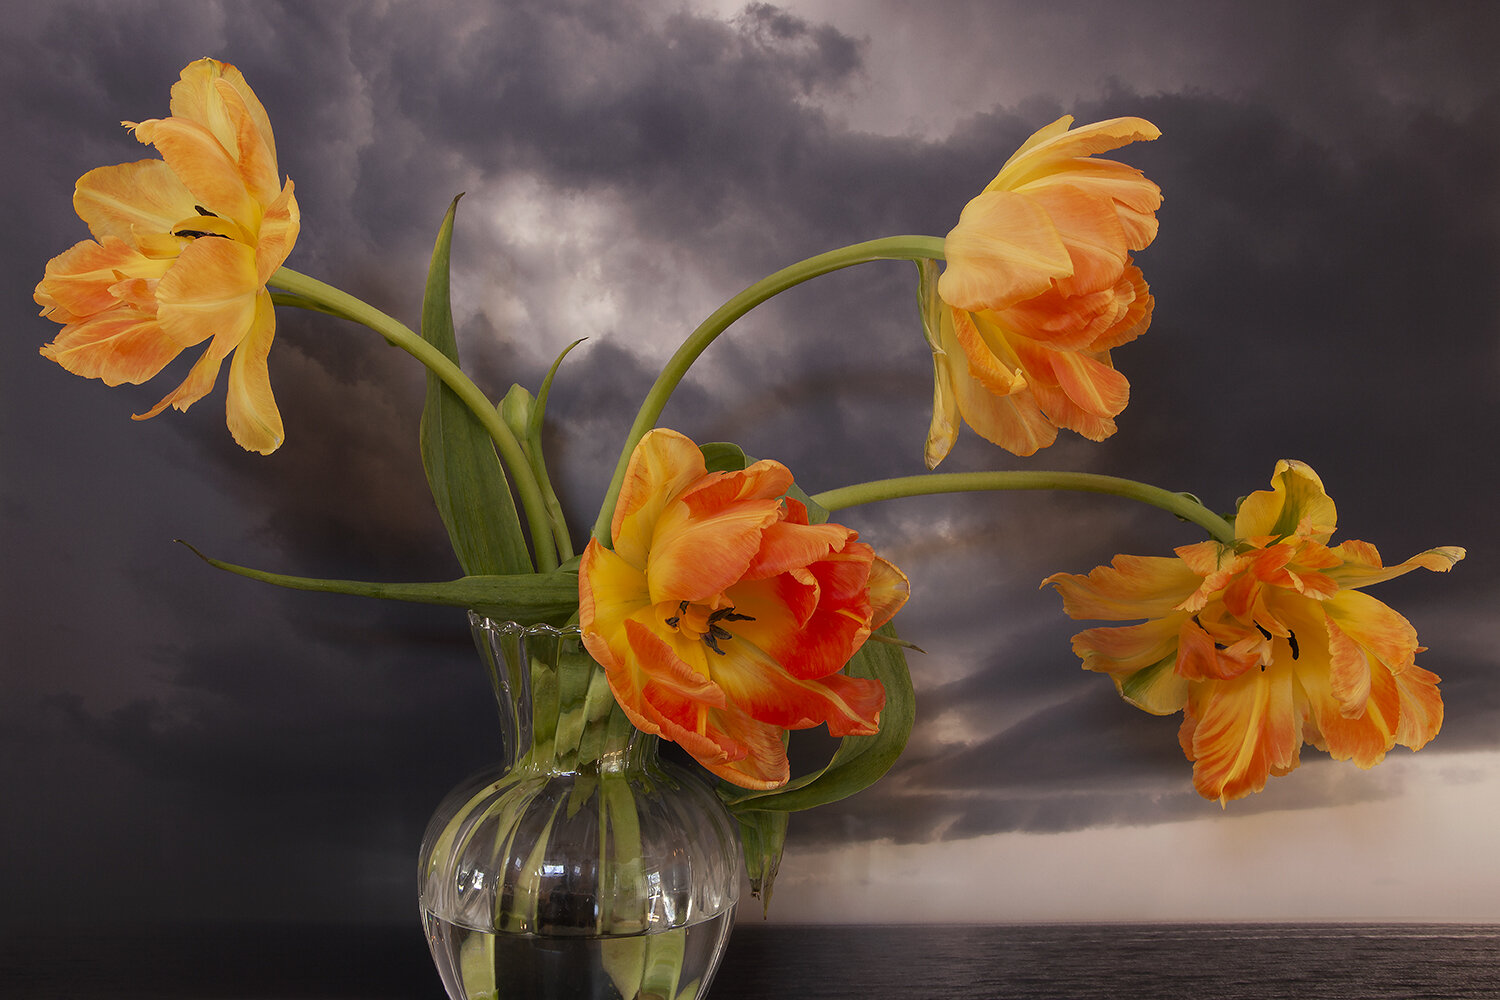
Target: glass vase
580,866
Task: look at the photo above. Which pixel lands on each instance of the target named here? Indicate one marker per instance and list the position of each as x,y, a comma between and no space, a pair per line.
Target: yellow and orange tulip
1264,644
182,249
722,617
1039,288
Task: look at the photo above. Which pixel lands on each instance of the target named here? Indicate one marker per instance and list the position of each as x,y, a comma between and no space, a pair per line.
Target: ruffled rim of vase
489,624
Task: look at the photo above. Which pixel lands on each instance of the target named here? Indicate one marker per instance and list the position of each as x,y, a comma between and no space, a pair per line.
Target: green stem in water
889,248
323,297
1181,504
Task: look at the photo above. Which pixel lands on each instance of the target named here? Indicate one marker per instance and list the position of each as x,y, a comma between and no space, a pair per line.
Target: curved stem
1180,504
888,248
326,298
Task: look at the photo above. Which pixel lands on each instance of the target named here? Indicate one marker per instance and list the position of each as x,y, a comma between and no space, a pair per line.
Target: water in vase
674,964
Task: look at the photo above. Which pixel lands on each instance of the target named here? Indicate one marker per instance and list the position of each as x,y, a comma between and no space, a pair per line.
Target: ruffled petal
785,546
1360,564
989,358
1005,248
1245,731
118,346
757,685
279,228
211,291
1421,707
662,465
254,420
810,621
131,200
1129,587
889,590
1375,626
198,96
610,591
1090,228
1014,422
695,556
82,280
763,763
1055,148
1296,494
204,166
1352,728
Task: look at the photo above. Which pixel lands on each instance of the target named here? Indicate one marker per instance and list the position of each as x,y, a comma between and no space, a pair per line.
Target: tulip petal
210,291
764,763
1296,493
81,280
990,359
120,346
942,432
663,464
1133,292
198,96
1129,587
756,684
1353,728
1014,422
199,383
812,621
1245,731
279,229
695,558
1005,248
889,590
1090,228
129,200
1055,147
1360,564
1421,707
1375,626
254,420
204,166
785,546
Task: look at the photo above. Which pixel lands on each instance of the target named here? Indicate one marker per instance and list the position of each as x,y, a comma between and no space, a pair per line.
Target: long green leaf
468,483
762,838
524,597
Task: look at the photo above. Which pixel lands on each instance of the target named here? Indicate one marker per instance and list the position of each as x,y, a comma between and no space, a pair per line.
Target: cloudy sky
1325,280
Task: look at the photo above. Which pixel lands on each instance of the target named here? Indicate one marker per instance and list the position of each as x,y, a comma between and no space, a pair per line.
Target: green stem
326,298
1181,504
889,248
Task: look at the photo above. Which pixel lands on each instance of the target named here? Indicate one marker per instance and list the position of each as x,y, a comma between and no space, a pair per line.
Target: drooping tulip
1038,289
182,250
1264,644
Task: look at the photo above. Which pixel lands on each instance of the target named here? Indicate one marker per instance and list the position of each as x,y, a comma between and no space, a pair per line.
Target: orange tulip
1264,644
182,249
1038,289
722,617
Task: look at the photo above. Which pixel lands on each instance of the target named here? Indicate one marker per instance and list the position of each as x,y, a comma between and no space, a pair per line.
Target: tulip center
699,621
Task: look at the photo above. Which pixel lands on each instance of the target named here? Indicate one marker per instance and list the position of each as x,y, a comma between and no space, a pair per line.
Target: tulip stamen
1291,638
707,626
197,233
